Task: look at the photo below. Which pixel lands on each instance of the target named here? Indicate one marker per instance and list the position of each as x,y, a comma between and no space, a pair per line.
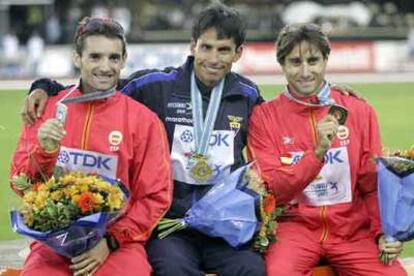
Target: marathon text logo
324,189
179,120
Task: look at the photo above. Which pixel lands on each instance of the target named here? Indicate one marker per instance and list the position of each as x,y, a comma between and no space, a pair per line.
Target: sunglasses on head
302,27
95,24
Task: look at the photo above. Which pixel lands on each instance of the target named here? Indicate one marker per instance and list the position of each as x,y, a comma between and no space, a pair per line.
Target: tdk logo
219,140
85,159
71,159
332,157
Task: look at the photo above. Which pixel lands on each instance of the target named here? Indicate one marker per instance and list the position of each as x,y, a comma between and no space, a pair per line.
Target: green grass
393,103
10,125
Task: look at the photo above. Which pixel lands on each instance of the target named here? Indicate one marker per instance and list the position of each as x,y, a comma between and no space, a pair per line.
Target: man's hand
89,262
33,106
327,129
347,90
389,250
50,134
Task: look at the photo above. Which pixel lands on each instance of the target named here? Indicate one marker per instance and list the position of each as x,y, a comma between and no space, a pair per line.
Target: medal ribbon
323,96
96,95
61,109
204,128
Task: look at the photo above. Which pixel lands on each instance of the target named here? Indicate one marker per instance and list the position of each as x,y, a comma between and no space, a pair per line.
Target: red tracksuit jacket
117,137
337,197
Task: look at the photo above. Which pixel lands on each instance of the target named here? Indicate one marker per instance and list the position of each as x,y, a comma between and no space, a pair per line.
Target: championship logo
187,136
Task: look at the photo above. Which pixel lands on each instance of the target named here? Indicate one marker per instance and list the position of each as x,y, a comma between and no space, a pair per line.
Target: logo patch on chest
115,139
235,123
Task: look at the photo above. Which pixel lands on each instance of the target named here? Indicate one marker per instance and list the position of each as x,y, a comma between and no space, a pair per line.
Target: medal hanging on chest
201,170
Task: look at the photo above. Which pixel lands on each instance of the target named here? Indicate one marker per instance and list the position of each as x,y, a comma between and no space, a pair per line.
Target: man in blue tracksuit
167,93
217,38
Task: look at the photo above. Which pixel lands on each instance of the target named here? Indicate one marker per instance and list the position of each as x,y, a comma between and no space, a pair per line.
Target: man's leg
360,258
129,260
176,254
44,261
296,251
219,257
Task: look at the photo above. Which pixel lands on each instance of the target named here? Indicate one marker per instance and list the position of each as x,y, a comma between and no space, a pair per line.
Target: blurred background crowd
28,27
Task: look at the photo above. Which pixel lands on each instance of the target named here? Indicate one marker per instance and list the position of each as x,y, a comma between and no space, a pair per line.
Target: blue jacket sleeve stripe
249,91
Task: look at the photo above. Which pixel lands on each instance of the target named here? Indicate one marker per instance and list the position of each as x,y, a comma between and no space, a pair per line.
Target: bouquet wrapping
236,209
69,214
395,173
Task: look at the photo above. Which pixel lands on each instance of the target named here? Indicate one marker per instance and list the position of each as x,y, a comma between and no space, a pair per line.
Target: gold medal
201,171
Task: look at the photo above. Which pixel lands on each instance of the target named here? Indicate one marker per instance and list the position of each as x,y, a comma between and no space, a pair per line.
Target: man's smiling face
304,68
100,63
213,57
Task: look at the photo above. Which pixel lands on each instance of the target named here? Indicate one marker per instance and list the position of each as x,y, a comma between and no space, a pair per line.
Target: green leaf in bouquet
271,228
66,212
166,223
264,242
58,172
169,226
260,244
398,165
70,209
56,187
51,209
63,215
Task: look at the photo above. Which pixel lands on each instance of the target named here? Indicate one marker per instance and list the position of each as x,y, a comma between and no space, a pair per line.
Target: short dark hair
292,35
227,22
105,26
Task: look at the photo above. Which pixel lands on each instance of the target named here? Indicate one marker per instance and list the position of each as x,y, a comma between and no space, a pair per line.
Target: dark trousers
190,253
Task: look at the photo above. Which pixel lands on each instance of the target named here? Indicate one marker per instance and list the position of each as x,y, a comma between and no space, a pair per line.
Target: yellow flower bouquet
69,213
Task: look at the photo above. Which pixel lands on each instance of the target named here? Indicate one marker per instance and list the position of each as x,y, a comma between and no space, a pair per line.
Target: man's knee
274,269
174,267
167,261
285,266
249,263
253,268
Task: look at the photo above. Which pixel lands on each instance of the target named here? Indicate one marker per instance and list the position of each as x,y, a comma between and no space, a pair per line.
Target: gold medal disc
202,171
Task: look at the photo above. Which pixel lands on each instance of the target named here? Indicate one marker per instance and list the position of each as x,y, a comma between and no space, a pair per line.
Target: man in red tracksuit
108,133
324,173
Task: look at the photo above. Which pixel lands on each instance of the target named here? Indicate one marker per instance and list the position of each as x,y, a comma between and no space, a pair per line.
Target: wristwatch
111,241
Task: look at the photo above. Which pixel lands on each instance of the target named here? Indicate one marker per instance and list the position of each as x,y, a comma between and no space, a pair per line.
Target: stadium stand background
35,34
